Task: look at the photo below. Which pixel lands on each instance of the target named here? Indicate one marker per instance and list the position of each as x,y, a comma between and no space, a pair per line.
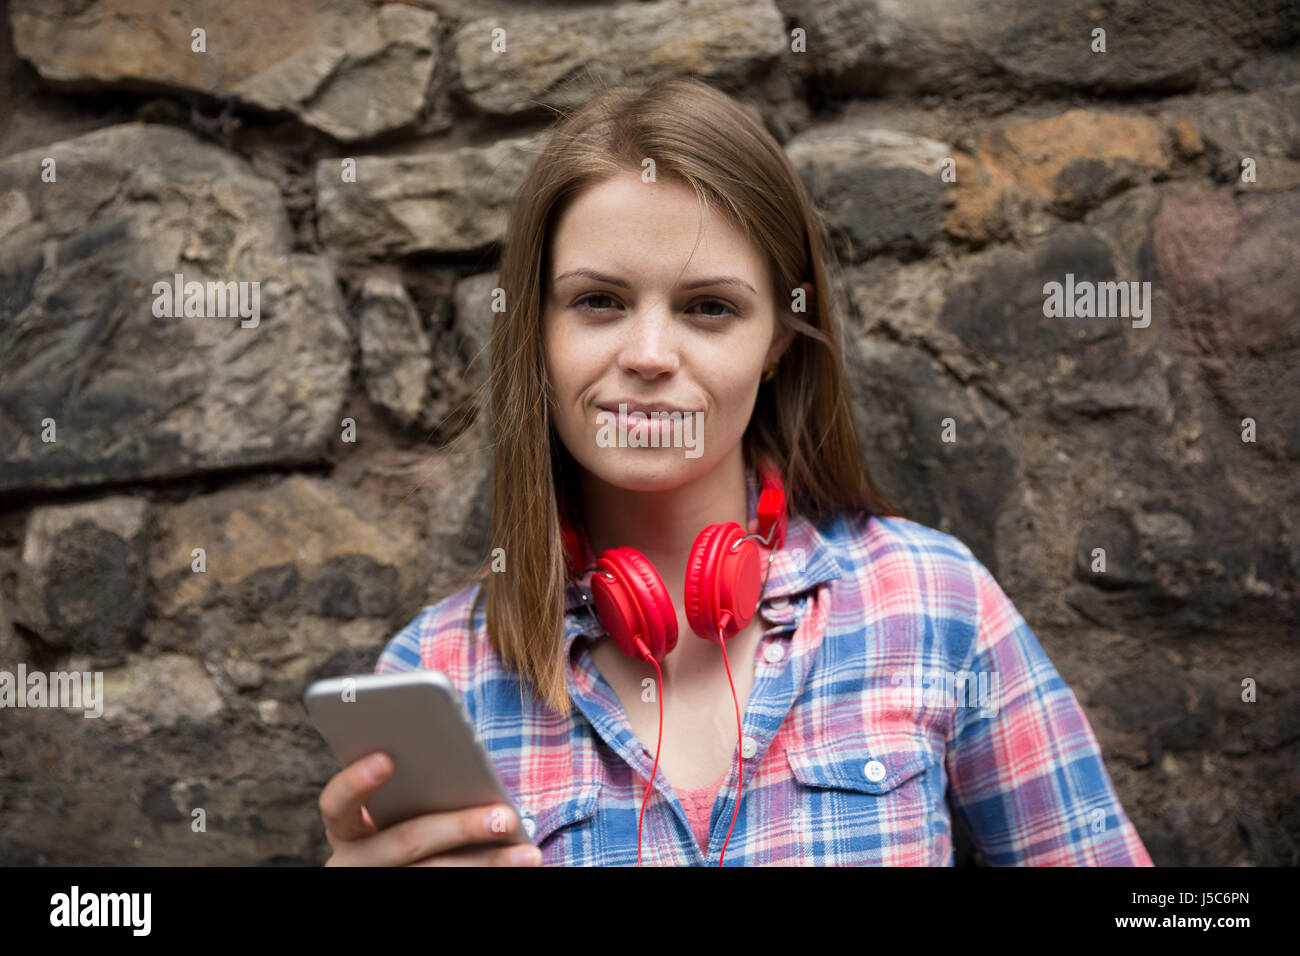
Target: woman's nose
651,345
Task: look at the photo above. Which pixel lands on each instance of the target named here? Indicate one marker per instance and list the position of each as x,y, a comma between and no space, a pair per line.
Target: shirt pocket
866,799
561,821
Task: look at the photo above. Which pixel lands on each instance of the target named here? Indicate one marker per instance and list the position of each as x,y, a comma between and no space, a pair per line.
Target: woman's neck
663,525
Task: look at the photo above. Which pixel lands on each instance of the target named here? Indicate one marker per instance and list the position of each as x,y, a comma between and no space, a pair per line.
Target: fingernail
528,856
376,766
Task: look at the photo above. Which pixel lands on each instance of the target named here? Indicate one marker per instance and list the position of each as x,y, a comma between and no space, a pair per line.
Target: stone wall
964,154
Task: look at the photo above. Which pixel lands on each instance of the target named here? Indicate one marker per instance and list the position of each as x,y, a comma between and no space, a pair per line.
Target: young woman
800,688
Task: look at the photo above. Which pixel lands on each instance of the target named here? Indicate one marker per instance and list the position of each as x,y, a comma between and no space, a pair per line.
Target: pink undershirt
698,805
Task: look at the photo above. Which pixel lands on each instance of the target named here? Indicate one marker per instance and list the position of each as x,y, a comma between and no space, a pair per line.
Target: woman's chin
643,469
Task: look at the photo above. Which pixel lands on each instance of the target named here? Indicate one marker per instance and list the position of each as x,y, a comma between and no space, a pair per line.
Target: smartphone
419,720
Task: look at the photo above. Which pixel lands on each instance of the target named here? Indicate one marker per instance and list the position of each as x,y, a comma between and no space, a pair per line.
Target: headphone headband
771,505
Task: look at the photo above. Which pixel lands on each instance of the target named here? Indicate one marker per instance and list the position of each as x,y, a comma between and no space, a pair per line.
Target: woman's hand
434,839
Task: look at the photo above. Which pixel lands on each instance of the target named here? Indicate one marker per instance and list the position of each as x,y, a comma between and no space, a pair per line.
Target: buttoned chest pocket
866,800
561,821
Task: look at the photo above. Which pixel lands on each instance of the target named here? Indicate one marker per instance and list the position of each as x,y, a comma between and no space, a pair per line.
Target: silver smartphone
418,719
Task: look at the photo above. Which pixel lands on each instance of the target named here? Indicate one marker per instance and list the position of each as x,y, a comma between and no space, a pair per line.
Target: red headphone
723,578
722,593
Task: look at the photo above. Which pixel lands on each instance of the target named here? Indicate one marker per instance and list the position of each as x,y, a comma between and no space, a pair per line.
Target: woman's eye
587,303
709,303
601,301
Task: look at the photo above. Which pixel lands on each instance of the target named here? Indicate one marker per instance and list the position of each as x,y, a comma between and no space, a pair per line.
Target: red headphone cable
659,694
735,701
740,759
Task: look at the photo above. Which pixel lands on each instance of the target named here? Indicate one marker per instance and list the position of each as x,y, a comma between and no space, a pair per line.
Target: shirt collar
805,560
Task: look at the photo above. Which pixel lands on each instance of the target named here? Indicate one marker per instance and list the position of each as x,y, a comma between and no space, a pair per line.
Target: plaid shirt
893,668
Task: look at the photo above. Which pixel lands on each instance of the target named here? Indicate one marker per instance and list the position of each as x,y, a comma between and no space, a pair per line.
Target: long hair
802,420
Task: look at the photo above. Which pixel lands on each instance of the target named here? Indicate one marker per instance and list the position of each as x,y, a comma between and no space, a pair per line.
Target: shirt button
874,771
778,602
774,652
748,747
530,826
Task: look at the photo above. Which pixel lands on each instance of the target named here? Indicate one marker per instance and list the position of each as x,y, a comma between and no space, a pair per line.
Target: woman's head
638,197
649,295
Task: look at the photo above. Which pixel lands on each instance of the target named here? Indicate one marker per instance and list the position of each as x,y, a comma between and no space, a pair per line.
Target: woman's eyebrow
693,284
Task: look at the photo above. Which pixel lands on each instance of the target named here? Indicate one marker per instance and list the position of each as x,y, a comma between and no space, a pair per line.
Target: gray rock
1110,536
1111,384
1268,71
82,581
152,694
998,313
558,59
1179,560
351,70
454,201
350,586
1160,45
879,189
270,590
246,675
870,46
901,399
300,545
1263,126
866,47
473,317
1235,302
133,394
1124,438
395,349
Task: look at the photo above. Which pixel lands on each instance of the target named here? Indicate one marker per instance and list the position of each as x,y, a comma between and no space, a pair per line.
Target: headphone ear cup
718,580
697,595
739,579
635,602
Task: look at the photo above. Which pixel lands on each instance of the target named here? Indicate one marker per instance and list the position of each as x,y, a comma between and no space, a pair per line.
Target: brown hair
802,419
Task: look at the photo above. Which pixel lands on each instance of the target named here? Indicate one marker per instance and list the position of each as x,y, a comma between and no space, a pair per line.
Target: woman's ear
780,342
784,336
802,303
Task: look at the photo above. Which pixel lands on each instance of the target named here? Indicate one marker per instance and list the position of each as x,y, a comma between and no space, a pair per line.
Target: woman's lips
630,408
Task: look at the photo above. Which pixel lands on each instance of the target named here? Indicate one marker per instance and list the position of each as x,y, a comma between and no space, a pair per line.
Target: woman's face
631,314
